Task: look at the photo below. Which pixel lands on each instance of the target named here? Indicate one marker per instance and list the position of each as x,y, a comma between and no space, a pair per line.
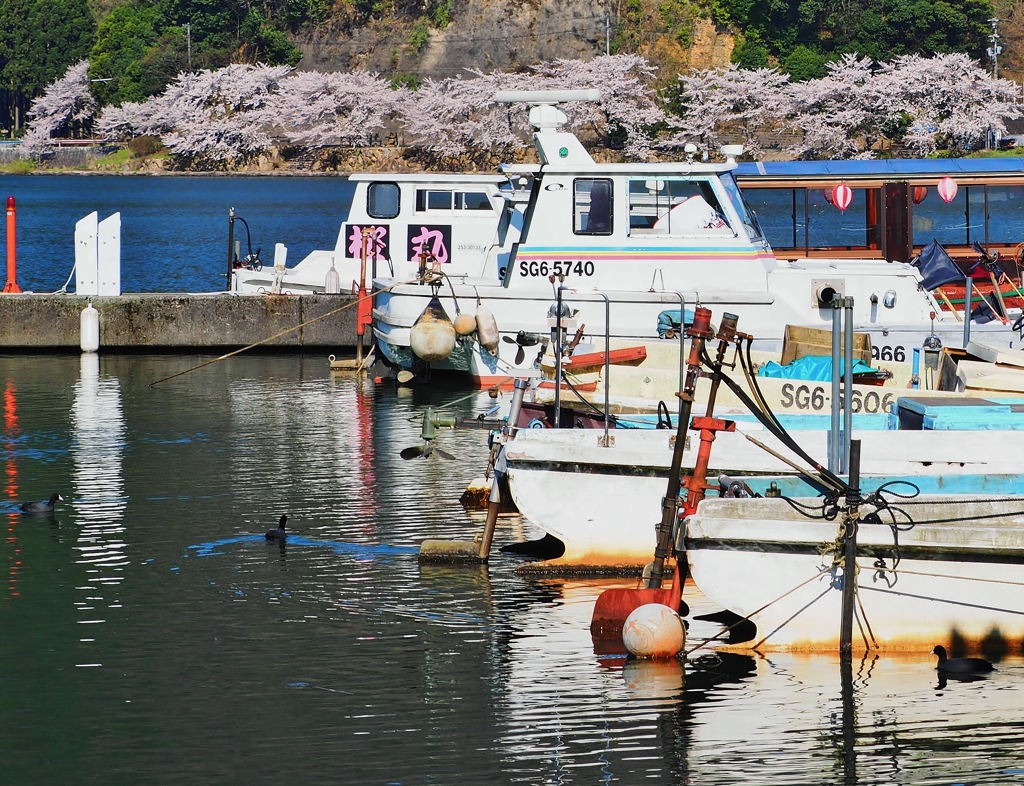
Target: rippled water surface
150,634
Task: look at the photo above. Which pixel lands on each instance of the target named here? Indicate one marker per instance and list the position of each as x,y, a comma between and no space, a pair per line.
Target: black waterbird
42,507
960,665
278,534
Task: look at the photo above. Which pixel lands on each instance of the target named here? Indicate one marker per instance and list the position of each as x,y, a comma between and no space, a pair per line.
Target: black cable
772,425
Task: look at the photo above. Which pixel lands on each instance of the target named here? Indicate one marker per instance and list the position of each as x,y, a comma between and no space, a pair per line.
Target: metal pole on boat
558,355
501,468
834,441
968,305
231,245
847,380
607,360
699,334
682,347
850,550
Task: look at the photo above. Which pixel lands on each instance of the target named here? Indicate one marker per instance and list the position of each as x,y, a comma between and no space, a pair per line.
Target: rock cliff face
499,35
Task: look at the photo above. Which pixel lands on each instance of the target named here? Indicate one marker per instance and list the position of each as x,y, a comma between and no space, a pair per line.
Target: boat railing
623,297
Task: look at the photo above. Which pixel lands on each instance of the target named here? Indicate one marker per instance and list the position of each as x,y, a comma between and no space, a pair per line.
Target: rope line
758,611
350,304
881,569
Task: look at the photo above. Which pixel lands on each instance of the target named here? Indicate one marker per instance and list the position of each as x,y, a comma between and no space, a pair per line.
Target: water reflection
340,658
97,452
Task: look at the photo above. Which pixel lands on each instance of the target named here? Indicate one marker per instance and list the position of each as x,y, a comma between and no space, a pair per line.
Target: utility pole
995,49
607,35
993,53
188,39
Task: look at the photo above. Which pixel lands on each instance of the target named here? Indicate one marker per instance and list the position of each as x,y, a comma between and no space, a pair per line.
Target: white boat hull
604,503
956,581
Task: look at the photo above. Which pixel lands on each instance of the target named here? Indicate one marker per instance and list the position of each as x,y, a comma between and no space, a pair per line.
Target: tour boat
605,249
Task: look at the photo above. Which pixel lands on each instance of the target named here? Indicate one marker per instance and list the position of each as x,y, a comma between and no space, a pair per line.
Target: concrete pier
181,322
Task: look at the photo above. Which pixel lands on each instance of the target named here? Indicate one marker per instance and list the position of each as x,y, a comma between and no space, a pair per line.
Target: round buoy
432,336
653,631
465,324
90,330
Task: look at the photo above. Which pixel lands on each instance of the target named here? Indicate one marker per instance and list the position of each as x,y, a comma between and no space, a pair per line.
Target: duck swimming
278,534
42,507
960,665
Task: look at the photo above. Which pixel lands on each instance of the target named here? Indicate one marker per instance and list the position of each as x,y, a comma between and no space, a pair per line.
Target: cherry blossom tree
952,100
712,103
64,105
628,105
830,114
208,119
454,116
315,109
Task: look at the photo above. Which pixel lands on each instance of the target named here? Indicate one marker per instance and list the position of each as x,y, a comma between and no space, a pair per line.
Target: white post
86,265
109,255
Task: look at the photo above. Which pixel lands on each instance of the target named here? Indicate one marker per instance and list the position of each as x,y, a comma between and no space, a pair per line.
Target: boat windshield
747,216
674,206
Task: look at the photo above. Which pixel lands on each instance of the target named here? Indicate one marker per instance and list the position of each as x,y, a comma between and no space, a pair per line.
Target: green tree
125,38
41,38
804,63
750,52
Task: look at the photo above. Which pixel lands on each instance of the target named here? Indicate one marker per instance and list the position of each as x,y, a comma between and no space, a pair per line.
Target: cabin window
382,200
472,201
665,206
592,206
433,200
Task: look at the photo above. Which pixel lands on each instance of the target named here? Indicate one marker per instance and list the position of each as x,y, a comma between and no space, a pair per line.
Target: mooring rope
758,611
350,304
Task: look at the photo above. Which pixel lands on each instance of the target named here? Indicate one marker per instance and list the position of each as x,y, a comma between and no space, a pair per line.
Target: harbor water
150,634
174,228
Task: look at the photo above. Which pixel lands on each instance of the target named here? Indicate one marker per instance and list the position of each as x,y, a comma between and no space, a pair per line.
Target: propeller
522,340
428,432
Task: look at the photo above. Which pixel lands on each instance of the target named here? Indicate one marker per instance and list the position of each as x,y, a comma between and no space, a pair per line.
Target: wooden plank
798,342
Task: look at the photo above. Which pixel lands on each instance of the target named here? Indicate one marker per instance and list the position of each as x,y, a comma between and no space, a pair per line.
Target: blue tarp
817,368
937,268
669,320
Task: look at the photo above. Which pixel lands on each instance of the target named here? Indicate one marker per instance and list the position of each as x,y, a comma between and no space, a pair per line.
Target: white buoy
432,337
332,282
486,329
90,331
653,631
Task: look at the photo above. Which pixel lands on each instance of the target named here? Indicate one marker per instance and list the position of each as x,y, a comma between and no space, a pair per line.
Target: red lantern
946,189
920,192
842,196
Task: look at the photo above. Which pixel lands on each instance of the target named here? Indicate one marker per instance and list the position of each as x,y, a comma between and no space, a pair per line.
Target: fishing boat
449,220
602,501
932,569
606,249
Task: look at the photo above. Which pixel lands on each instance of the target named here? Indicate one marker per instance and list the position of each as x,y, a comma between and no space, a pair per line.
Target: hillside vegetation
136,47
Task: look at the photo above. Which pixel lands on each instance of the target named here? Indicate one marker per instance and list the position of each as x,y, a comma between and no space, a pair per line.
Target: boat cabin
897,207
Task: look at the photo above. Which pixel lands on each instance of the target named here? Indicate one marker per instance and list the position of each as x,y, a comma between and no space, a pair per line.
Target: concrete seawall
181,322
